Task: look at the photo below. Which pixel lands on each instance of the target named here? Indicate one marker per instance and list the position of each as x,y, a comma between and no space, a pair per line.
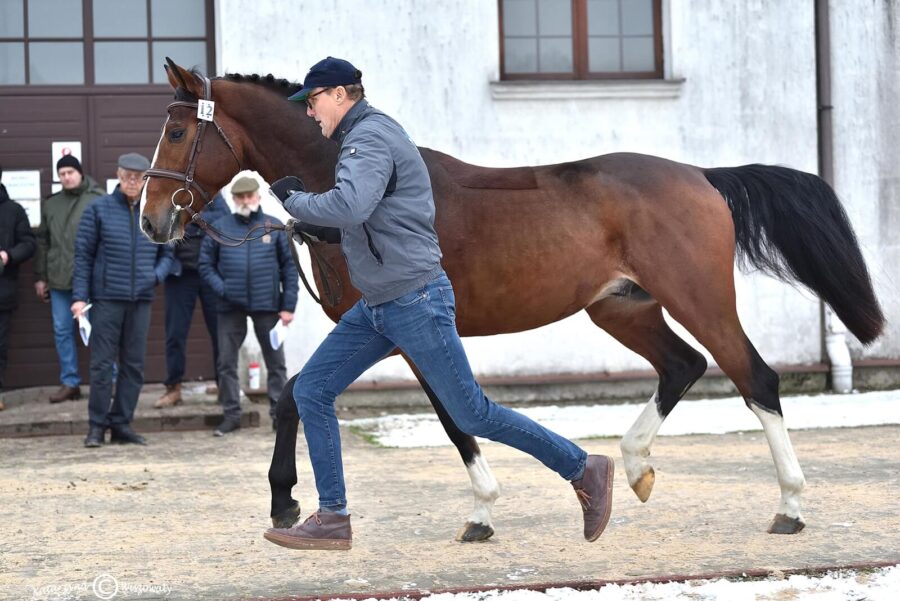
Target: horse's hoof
288,517
473,532
644,486
782,524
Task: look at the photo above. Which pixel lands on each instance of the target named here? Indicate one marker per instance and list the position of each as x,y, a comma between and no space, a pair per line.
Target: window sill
609,88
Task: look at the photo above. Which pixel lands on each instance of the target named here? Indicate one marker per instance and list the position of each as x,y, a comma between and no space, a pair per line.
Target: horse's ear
181,77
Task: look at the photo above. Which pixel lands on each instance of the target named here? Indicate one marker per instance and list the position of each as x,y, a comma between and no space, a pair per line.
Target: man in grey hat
256,280
116,271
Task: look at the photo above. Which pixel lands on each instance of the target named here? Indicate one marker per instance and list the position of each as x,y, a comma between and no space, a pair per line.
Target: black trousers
232,331
4,343
119,334
181,297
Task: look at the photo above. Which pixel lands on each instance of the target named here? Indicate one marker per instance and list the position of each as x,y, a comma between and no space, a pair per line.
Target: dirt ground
183,518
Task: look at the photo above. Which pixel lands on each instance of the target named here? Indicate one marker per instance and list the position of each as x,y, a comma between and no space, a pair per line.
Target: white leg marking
485,489
790,476
636,443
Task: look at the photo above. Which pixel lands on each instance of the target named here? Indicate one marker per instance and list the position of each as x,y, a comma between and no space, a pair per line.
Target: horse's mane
280,85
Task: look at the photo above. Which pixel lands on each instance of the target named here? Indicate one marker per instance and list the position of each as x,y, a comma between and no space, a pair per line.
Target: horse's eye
176,134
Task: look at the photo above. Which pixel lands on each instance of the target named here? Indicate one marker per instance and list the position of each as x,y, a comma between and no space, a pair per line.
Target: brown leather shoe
594,492
322,530
170,398
66,393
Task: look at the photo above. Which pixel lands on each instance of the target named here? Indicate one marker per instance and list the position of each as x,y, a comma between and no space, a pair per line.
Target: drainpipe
834,333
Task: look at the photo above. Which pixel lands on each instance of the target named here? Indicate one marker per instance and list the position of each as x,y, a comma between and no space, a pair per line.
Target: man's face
326,107
246,202
69,177
130,182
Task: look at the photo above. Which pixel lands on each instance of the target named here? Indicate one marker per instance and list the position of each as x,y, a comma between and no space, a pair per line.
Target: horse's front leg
484,486
283,470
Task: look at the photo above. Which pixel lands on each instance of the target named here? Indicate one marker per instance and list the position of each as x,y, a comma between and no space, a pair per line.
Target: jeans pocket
411,298
449,301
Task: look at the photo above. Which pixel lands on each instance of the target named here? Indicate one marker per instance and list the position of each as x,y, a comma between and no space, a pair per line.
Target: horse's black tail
791,225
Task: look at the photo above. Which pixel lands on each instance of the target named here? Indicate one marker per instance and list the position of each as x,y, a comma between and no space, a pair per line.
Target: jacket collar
120,196
254,216
353,116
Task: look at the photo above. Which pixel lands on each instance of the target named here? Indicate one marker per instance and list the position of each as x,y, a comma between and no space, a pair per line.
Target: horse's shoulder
475,176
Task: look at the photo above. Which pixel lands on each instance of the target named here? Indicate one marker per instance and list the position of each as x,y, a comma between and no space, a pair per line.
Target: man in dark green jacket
60,215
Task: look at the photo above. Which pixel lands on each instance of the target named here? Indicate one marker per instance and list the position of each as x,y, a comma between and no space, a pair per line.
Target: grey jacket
383,204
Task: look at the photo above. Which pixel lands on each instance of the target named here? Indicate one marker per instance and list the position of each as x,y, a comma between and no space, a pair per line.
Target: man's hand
40,288
286,317
286,187
319,233
4,257
77,308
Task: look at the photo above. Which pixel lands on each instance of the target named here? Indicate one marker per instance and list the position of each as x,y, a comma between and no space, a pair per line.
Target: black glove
319,233
286,187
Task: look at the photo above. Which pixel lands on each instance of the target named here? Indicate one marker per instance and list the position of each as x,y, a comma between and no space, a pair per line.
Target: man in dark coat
257,279
117,269
17,244
183,288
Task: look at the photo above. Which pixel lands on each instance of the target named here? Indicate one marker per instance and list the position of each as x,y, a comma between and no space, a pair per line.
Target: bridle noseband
332,296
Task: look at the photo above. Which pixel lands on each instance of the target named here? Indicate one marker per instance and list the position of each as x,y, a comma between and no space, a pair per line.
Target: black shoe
95,436
227,426
123,434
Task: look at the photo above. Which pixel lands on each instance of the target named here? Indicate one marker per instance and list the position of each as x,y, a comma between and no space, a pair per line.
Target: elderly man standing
257,279
60,215
116,270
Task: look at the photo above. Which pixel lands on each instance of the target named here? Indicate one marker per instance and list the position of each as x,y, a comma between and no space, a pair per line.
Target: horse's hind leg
712,318
636,321
484,486
283,469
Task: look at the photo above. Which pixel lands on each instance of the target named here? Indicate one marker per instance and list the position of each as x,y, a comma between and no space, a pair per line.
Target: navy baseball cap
328,73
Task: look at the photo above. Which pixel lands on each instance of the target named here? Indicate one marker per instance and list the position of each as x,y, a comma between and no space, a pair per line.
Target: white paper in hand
278,334
84,328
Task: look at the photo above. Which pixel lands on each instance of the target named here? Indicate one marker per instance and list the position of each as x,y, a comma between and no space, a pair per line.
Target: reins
332,295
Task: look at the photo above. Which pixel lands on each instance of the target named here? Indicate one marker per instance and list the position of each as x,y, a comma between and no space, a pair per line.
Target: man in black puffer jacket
257,279
183,288
117,269
17,244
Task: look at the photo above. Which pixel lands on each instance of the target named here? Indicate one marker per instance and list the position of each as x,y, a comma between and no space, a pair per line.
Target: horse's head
195,157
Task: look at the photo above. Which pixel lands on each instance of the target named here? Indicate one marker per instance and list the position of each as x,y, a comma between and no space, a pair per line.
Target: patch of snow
878,585
708,416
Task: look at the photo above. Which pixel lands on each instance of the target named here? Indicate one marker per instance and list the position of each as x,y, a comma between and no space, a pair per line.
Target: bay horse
620,236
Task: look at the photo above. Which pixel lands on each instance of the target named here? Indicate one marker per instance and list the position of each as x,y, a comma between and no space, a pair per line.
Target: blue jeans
423,325
64,335
181,296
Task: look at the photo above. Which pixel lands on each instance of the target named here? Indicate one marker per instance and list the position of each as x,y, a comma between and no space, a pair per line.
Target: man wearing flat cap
60,215
257,280
117,270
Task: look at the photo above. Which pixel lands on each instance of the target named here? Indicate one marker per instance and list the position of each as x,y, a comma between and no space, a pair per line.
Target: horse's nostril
146,225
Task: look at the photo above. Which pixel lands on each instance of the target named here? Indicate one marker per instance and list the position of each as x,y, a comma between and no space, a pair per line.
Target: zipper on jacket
133,246
372,248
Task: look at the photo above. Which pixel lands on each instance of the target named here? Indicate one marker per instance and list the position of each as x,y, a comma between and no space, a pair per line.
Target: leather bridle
187,178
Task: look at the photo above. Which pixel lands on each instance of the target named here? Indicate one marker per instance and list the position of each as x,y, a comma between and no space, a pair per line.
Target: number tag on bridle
206,109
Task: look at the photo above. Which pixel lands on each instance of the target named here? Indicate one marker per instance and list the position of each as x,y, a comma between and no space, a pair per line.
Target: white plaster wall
866,98
748,96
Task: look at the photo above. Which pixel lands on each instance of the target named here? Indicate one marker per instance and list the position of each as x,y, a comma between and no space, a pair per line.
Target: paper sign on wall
111,185
25,188
61,149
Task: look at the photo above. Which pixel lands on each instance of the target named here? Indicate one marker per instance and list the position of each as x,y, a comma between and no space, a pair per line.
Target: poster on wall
61,149
24,187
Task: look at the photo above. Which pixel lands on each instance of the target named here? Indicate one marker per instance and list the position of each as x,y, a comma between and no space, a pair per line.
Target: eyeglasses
309,98
133,177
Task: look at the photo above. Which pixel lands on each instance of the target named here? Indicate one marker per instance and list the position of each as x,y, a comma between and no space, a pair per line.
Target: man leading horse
383,204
